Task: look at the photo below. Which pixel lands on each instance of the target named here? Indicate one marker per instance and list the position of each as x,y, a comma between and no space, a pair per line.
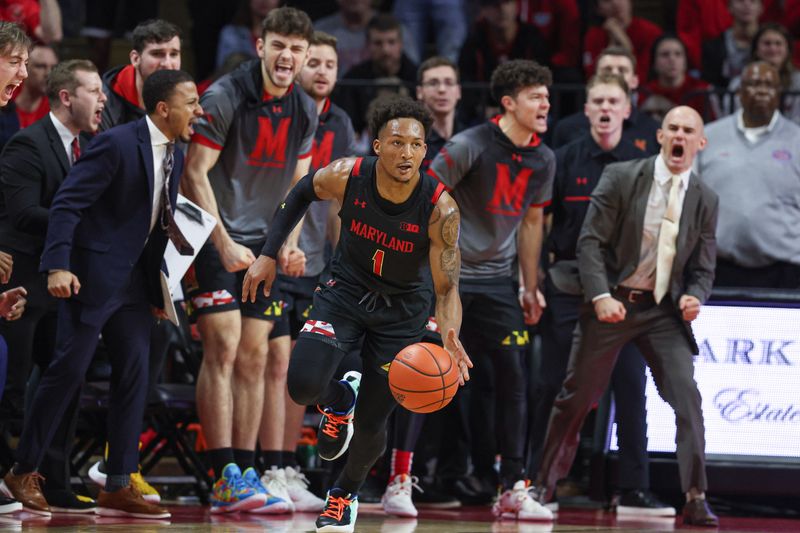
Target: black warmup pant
628,382
126,322
661,338
338,322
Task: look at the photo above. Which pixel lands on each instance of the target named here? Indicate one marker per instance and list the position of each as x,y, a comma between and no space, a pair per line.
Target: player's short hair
160,85
288,21
434,62
384,22
320,38
391,107
154,31
617,51
12,36
513,76
63,77
608,78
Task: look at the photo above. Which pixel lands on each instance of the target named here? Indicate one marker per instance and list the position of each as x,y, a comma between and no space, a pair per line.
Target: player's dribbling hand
62,283
6,266
235,257
12,303
459,355
263,269
533,304
610,310
292,261
689,306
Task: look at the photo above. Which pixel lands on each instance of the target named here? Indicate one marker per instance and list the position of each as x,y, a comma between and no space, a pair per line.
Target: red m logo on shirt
322,151
270,149
508,195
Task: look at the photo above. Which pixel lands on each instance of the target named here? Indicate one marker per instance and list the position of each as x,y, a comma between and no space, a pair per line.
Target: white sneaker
303,499
397,498
518,504
274,480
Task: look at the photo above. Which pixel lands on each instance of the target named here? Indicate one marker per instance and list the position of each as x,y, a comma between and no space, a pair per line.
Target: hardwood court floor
190,519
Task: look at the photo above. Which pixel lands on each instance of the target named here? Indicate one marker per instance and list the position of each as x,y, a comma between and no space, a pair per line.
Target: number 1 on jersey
377,262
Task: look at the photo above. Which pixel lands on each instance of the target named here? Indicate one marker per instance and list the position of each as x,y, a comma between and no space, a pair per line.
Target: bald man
646,257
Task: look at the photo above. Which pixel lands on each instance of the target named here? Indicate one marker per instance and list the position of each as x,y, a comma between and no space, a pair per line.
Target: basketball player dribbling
399,229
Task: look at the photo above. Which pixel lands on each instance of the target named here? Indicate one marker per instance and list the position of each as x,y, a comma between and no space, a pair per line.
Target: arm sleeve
289,214
219,106
454,160
22,175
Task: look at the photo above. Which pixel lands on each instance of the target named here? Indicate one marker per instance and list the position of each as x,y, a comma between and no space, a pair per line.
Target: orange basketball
423,377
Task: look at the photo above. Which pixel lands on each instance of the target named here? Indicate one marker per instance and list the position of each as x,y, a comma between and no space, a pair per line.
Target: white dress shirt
66,137
159,143
644,277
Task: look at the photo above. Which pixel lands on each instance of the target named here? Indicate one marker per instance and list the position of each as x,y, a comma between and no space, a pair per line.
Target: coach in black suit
33,166
646,257
104,249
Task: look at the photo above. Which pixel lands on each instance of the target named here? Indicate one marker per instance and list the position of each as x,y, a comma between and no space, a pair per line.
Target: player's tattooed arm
445,259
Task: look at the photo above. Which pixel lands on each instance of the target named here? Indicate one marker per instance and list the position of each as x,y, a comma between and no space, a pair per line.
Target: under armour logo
360,203
516,157
277,110
581,181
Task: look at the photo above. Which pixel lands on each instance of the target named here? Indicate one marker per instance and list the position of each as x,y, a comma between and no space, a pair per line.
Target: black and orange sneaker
336,428
339,515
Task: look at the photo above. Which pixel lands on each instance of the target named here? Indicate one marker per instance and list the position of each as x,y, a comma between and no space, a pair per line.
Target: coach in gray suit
646,258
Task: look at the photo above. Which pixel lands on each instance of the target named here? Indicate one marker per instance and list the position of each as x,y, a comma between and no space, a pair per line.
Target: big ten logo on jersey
270,146
509,191
517,338
322,150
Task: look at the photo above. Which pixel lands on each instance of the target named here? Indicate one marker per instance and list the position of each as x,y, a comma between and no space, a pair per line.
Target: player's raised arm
445,259
328,183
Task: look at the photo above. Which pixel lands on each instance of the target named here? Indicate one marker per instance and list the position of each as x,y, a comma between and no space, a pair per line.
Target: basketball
423,378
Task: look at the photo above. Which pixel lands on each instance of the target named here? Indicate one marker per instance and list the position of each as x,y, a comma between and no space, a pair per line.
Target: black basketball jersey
384,246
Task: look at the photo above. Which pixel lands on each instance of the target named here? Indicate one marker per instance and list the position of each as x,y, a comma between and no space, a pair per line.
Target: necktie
666,241
76,150
167,219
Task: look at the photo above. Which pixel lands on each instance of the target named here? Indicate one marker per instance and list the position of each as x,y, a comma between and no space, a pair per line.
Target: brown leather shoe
698,513
128,502
26,489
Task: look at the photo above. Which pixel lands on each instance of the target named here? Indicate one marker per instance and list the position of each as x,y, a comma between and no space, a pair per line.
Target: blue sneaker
336,428
231,493
272,504
339,515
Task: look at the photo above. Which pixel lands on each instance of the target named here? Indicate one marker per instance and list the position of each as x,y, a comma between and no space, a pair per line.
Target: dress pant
628,383
658,333
125,321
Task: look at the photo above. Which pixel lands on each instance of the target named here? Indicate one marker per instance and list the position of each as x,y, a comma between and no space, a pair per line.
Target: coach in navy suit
104,248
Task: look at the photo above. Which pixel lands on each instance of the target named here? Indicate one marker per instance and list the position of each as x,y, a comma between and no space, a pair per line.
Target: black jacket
117,110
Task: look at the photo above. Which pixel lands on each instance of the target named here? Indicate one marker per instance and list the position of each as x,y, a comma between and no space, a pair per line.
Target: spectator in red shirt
31,100
41,19
671,85
620,28
558,22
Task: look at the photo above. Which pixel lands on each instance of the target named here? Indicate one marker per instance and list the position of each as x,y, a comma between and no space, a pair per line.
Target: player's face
760,91
745,11
182,110
529,108
282,56
87,102
681,137
772,48
439,90
41,61
318,76
157,56
385,49
13,70
621,66
670,60
606,107
400,148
